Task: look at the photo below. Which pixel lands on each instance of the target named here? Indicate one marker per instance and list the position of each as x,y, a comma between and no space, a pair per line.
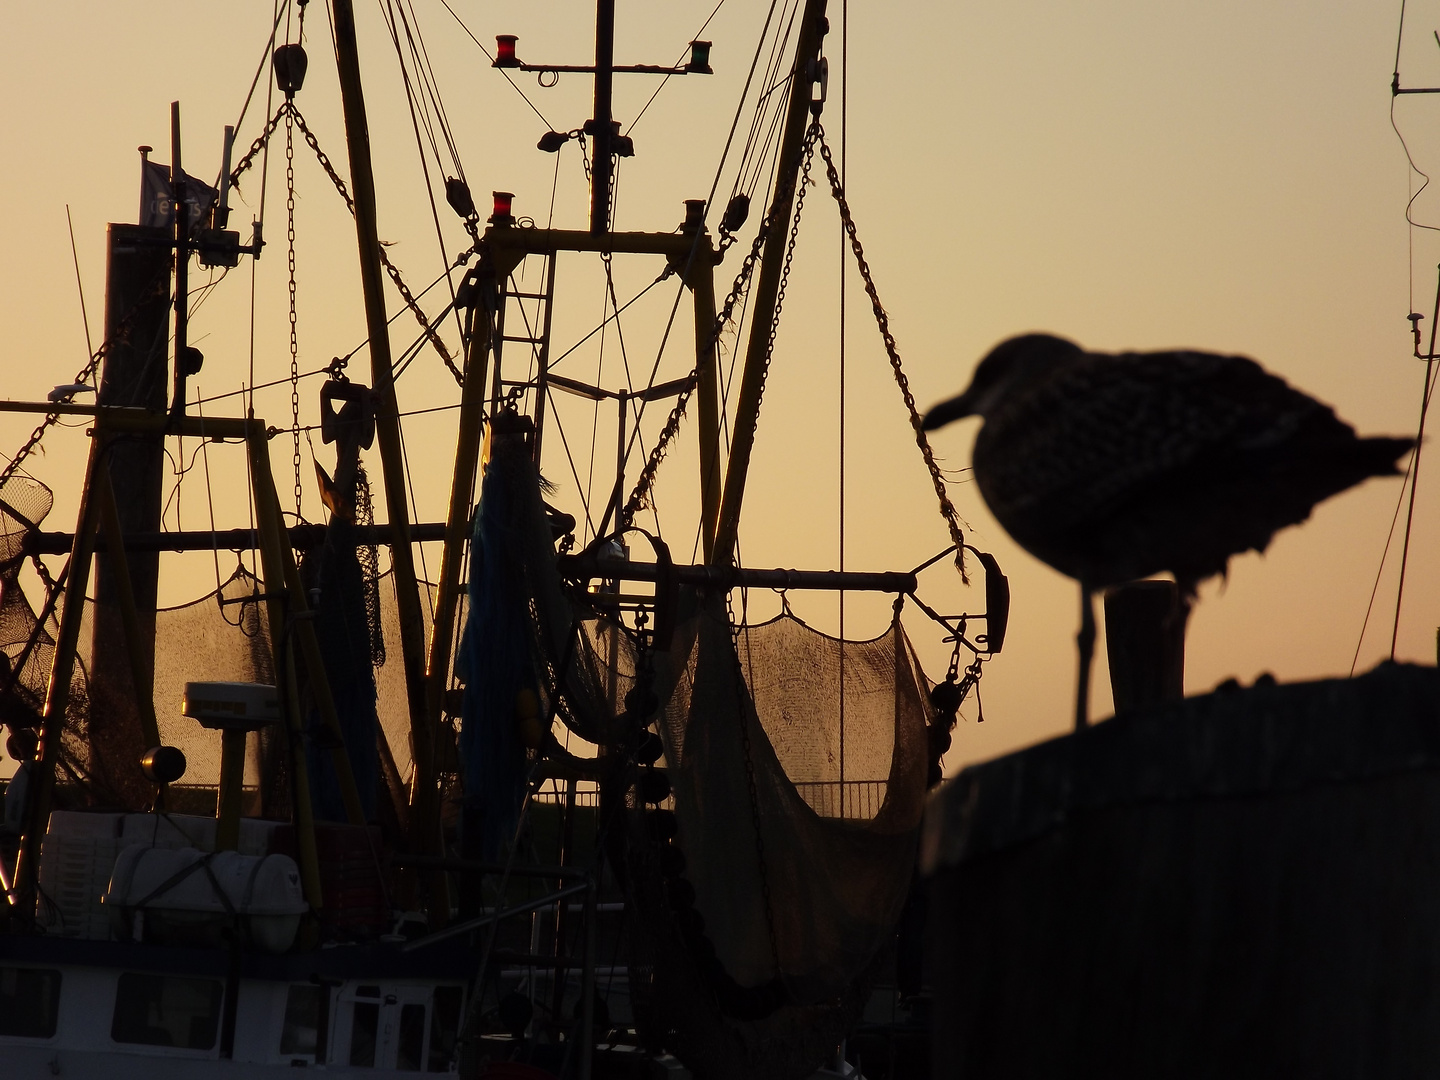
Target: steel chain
294,336
639,497
259,144
809,156
947,508
288,108
400,286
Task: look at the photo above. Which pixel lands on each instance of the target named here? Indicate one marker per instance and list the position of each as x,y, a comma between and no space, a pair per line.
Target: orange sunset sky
1129,174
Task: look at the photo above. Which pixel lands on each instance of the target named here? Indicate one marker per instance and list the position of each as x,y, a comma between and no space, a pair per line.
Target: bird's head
1009,367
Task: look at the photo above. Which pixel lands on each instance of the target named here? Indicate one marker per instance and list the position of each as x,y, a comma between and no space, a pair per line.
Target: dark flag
157,199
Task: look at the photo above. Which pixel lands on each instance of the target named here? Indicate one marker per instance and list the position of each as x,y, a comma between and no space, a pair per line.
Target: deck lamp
552,141
505,51
502,215
699,63
620,145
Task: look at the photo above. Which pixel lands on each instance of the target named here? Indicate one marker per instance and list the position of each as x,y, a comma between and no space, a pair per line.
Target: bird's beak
957,408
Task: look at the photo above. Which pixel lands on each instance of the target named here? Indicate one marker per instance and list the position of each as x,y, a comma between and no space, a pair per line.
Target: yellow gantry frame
286,607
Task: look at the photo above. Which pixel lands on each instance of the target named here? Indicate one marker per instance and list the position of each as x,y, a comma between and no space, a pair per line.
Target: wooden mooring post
1145,642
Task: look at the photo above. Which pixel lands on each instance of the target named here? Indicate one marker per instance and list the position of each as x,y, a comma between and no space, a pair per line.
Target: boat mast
747,411
387,423
602,161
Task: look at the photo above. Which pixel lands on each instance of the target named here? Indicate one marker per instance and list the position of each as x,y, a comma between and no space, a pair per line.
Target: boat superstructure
587,814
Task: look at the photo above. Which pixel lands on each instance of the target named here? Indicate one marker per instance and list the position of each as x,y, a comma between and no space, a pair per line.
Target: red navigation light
505,51
502,215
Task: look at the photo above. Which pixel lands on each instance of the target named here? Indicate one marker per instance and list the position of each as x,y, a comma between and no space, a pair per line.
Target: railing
862,799
859,799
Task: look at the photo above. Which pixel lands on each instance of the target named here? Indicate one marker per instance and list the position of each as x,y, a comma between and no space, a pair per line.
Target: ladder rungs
526,340
528,296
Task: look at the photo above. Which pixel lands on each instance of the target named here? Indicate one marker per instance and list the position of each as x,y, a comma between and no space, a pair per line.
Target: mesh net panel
23,505
204,642
783,891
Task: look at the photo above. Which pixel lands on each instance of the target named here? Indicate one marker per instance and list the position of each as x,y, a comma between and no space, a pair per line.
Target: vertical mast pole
707,394
602,162
57,695
812,33
387,423
182,261
425,808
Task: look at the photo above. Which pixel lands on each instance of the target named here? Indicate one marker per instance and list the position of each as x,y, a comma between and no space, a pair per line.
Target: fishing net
755,928
27,637
793,907
222,637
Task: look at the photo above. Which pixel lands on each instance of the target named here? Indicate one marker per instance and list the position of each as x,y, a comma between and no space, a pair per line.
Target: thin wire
709,202
436,101
415,516
259,70
269,111
1414,471
389,12
1380,570
491,57
1399,36
670,75
844,148
1409,206
74,254
608,319
575,472
209,493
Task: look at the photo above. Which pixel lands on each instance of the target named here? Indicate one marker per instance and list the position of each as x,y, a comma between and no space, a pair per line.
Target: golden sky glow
1128,174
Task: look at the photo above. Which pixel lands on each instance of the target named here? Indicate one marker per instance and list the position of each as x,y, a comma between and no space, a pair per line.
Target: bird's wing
1097,431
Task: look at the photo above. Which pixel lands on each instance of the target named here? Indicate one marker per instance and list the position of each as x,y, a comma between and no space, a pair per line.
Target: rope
882,320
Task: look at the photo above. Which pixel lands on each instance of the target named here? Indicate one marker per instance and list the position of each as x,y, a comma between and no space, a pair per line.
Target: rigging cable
1384,555
1414,486
1412,469
670,74
844,157
79,287
491,57
259,70
390,12
640,494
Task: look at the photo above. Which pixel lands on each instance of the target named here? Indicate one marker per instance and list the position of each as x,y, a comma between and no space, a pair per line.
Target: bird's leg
1086,640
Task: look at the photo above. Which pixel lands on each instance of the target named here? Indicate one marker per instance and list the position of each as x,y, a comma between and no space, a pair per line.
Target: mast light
502,215
505,51
699,63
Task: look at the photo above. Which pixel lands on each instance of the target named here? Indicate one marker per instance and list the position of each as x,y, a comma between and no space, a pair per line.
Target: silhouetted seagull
1117,467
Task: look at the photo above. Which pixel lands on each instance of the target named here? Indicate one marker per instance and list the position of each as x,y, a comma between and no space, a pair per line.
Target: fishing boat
564,811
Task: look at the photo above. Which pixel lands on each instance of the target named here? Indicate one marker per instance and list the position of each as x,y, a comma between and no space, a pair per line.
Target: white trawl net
834,886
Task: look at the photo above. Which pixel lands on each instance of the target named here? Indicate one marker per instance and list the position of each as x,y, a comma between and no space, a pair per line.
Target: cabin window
412,1038
364,1026
444,1027
164,1010
29,1002
302,1020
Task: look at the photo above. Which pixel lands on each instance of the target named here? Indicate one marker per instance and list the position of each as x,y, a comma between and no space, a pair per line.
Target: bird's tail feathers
1380,455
